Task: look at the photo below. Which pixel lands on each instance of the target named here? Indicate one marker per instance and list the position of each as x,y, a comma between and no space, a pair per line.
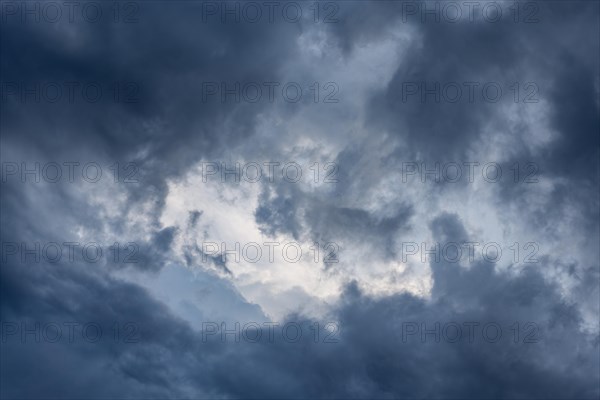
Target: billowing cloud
413,189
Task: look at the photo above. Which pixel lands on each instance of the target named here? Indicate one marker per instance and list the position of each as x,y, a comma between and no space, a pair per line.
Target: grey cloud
169,54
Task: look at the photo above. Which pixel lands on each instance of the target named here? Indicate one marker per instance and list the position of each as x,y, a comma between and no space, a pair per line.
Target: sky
332,199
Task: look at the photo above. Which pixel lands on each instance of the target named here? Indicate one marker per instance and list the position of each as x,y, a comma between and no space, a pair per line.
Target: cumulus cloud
122,213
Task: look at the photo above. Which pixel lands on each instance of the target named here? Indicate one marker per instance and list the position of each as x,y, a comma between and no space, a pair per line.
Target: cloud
154,204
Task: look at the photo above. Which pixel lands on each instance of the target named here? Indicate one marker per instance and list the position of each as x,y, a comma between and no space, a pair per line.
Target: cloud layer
341,132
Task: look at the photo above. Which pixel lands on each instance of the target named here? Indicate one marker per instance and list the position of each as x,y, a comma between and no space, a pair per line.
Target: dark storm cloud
479,53
565,70
285,209
371,356
108,367
372,360
169,126
168,54
558,55
503,52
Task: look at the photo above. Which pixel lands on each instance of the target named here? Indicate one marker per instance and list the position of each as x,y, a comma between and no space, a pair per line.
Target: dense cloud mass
333,199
